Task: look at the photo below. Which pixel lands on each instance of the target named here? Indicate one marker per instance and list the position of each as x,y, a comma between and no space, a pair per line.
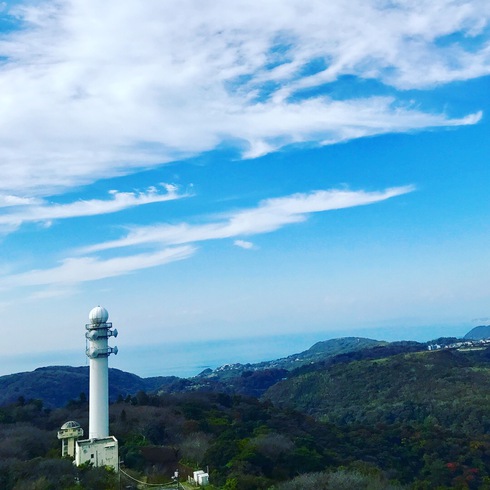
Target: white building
201,478
98,452
69,433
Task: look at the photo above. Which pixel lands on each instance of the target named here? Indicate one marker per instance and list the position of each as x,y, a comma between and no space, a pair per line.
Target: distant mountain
56,385
320,351
329,348
478,333
255,379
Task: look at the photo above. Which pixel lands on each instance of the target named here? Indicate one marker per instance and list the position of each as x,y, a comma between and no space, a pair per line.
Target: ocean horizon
189,358
183,359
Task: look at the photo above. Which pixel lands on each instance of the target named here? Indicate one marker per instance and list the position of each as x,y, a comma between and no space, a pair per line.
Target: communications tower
98,351
100,449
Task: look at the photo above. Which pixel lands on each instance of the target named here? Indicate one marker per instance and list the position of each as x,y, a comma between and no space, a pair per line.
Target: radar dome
71,424
98,315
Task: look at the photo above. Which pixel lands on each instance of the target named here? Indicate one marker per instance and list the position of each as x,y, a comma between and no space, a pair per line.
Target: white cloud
84,269
175,242
28,210
10,200
268,127
244,244
81,99
268,216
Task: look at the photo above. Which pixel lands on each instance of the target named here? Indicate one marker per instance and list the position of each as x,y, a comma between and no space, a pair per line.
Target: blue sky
211,170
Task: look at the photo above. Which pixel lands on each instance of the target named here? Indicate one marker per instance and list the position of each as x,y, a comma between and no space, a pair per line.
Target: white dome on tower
71,424
98,315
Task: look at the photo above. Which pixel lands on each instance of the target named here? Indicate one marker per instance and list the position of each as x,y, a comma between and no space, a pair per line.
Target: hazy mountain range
56,385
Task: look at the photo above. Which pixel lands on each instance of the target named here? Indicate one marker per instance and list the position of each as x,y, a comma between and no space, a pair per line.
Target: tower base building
98,452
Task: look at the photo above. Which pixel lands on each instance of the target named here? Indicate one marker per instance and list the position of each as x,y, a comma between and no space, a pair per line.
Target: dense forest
382,417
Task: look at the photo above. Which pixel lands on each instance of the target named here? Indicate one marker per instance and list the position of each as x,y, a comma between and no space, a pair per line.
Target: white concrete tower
98,351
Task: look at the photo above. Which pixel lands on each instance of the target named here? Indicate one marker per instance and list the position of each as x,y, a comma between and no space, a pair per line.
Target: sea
183,359
186,359
189,358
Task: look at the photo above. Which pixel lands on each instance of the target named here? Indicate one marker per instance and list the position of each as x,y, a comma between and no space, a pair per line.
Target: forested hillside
389,416
450,387
246,444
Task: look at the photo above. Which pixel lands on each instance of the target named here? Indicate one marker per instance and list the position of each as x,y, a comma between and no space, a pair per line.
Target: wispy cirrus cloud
23,210
11,200
81,100
84,269
269,127
268,216
177,242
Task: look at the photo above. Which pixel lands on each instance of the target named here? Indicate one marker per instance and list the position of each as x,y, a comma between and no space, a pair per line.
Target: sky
215,171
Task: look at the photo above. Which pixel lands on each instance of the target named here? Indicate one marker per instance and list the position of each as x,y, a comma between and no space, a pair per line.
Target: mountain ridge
478,333
57,385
